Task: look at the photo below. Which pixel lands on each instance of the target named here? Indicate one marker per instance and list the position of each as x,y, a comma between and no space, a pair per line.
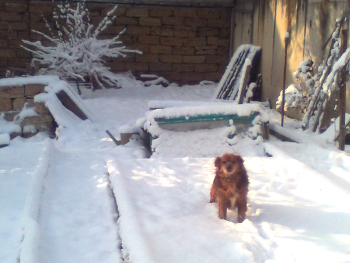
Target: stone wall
12,101
182,44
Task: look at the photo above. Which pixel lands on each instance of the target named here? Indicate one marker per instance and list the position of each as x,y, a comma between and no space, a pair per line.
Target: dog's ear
240,159
217,161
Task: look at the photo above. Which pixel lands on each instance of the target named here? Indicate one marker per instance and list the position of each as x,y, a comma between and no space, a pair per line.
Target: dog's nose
229,168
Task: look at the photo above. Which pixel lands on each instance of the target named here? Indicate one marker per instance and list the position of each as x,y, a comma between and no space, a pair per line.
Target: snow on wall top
19,81
54,85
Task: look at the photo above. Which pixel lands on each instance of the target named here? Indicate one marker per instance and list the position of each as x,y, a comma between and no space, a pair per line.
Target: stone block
149,21
143,67
19,26
5,104
21,53
161,11
138,30
41,7
170,58
142,39
159,67
3,34
171,41
195,21
209,13
193,59
3,43
206,67
17,62
160,49
140,47
3,63
12,34
189,77
24,35
225,33
206,50
219,23
33,89
10,115
195,41
25,17
217,59
184,33
183,51
116,66
173,21
11,92
128,58
10,17
7,53
137,12
185,12
215,41
37,121
154,58
15,134
3,25
223,50
205,32
18,103
183,67
126,21
33,17
214,76
41,109
162,31
29,131
113,30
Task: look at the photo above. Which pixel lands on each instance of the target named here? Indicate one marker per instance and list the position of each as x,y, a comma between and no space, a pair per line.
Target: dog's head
228,164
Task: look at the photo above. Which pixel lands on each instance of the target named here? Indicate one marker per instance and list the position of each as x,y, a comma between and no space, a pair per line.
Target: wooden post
342,91
286,41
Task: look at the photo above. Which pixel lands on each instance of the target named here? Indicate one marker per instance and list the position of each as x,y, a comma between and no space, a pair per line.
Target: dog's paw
240,218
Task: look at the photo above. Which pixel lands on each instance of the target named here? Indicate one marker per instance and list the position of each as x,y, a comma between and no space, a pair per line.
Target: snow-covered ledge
29,105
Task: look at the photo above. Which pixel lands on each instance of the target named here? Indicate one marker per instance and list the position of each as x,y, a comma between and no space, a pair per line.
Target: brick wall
12,101
182,44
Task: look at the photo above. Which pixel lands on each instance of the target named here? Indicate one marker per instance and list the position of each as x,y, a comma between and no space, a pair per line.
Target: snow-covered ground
81,198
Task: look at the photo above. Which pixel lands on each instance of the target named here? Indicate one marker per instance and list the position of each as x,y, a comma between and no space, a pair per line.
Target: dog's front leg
212,194
223,205
242,209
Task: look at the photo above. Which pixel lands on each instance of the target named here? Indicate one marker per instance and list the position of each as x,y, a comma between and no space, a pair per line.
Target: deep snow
298,210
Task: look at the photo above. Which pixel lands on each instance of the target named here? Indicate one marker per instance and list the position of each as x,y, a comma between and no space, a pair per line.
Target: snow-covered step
165,215
77,216
17,178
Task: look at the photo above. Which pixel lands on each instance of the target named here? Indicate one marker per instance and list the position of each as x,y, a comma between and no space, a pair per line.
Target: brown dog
230,186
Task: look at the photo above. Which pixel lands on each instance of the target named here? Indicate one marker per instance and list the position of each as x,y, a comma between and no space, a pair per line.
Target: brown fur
230,185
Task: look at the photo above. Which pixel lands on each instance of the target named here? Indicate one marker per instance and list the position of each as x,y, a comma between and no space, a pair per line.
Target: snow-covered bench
190,116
